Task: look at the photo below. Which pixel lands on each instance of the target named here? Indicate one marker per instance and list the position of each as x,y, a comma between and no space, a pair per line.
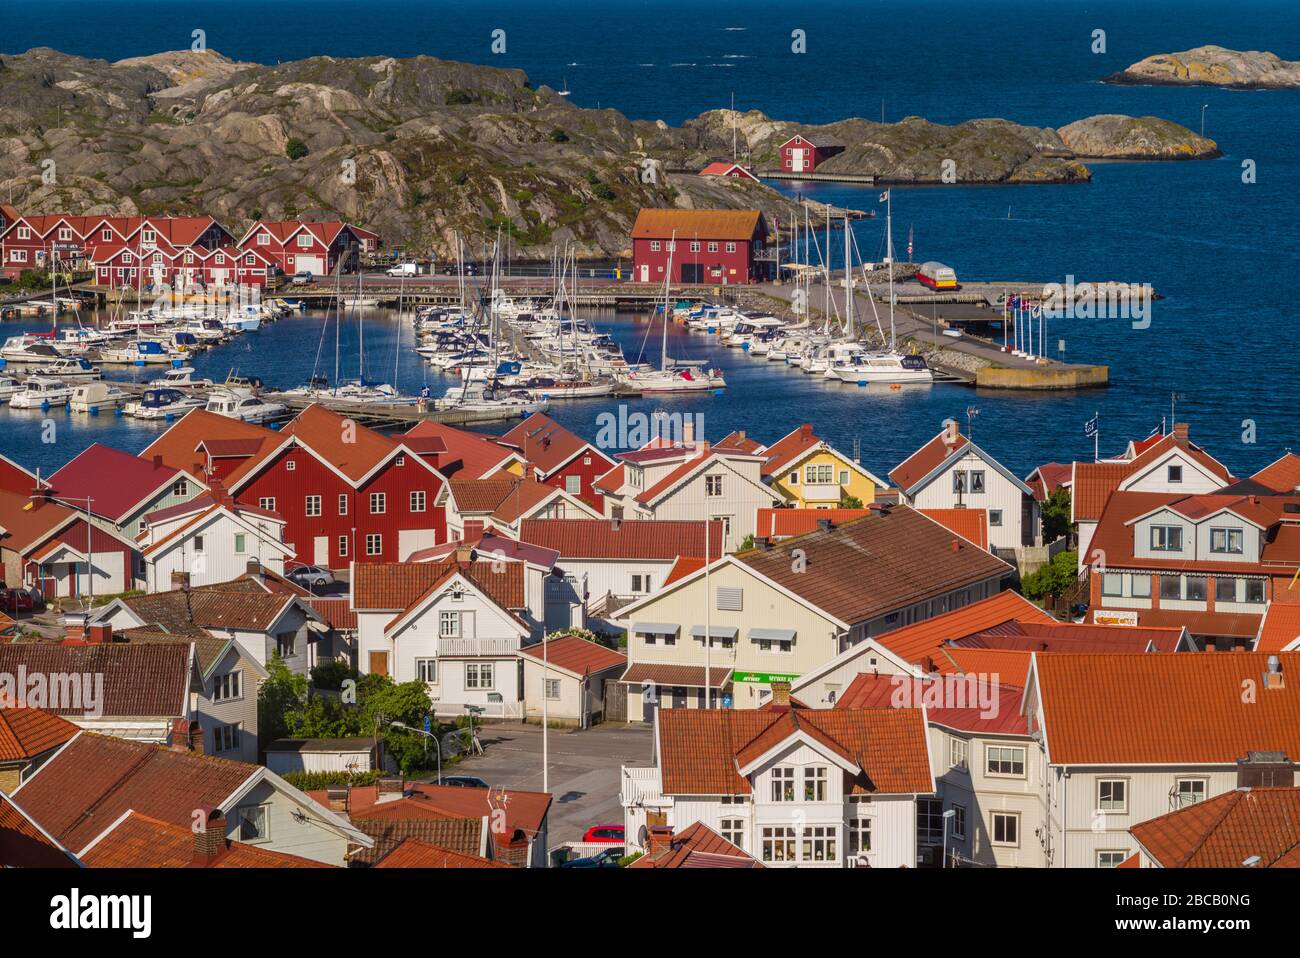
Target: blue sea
1224,253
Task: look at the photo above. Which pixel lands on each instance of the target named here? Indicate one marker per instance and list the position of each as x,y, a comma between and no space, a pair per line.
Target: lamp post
947,817
419,731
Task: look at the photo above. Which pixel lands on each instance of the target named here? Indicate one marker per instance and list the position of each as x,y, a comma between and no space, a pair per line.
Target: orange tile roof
1282,475
682,567
1091,486
28,732
697,846
350,447
23,844
1279,630
178,446
924,461
739,441
141,841
788,448
1166,708
413,853
648,539
547,445
699,749
697,224
396,586
921,640
577,655
667,675
782,523
1075,637
613,480
469,455
1002,716
1224,831
971,524
1012,666
26,522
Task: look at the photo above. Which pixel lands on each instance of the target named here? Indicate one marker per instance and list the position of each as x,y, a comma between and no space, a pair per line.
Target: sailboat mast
889,248
668,285
848,282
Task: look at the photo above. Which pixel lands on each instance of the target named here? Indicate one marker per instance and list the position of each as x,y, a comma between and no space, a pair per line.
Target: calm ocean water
1224,253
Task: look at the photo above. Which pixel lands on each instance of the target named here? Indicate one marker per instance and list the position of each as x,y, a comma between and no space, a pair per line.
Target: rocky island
1213,66
423,149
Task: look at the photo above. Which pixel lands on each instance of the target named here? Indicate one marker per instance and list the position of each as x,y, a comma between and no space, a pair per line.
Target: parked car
470,269
612,834
13,601
302,277
404,269
465,781
310,576
608,858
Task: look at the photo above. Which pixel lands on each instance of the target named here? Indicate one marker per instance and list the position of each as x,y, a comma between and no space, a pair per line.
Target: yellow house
812,474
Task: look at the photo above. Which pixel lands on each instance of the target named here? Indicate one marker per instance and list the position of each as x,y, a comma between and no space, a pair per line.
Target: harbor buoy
117,411
94,410
169,416
862,382
895,386
45,405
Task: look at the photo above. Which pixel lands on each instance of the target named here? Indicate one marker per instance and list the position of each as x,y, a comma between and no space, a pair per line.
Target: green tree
1056,514
295,148
279,700
849,502
1055,578
331,675
747,544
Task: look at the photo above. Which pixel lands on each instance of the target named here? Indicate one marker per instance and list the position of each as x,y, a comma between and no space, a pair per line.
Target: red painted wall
588,473
720,268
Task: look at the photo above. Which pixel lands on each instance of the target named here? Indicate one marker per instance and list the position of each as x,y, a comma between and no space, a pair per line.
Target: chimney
688,431
956,545
740,437
781,695
615,523
187,736
388,789
336,796
180,580
209,837
950,432
659,838
101,633
465,554
253,567
157,461
74,627
1273,678
825,525
1180,433
805,431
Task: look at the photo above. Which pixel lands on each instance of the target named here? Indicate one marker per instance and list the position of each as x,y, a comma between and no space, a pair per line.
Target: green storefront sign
762,678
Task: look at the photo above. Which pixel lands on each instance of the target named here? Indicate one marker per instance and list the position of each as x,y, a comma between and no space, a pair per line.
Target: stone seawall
1043,377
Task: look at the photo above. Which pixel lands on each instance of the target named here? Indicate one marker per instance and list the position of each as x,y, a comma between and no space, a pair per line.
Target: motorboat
69,367
94,396
8,386
40,392
241,404
181,377
139,352
28,348
163,404
883,366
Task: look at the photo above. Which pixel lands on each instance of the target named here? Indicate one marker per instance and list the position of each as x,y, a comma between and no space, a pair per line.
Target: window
929,821
654,246
374,544
426,670
449,625
253,823
1225,589
958,481
1196,588
1171,587
343,546
844,477
957,753
241,543
225,738
198,543
104,235
778,844
1188,791
959,821
1112,583
819,473
1166,539
1110,858
733,830
304,240
1141,585
775,645
1230,541
1005,760
1254,590
1006,829
180,488
378,503
313,506
819,843
573,485
267,503
141,526
1175,473
227,687
1112,795
713,486
995,517
731,247
479,675
553,689
783,784
417,500
640,583
726,524
695,246
977,481
859,836
263,239
814,784
343,504
286,643
290,465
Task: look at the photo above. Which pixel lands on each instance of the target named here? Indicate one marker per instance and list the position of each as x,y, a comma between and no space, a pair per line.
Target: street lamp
947,816
419,731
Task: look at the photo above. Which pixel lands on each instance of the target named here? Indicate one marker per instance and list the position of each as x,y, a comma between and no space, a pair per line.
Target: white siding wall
999,493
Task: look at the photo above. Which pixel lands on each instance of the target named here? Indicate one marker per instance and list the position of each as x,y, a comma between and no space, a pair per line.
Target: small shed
359,754
800,154
728,169
570,674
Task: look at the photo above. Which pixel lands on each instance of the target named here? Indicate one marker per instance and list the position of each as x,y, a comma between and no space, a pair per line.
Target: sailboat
671,376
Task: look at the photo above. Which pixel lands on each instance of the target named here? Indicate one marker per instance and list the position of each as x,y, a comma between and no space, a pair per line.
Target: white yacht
163,404
93,396
236,403
69,367
182,377
8,387
882,366
38,392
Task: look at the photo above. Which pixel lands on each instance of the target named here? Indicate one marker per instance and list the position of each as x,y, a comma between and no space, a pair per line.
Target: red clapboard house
46,544
346,493
153,251
715,247
560,458
32,242
734,170
799,154
296,246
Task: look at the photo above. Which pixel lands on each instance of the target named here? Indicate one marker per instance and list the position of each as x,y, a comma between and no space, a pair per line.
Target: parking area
584,769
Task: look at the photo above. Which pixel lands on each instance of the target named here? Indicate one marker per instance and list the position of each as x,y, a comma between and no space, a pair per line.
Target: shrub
295,148
310,781
330,675
559,136
1055,578
604,192
457,98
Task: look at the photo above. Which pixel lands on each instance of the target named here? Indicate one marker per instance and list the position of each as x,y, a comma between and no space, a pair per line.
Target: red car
13,601
606,834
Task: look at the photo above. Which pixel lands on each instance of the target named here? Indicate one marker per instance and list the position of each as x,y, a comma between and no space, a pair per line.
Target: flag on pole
1158,431
909,242
884,196
1090,427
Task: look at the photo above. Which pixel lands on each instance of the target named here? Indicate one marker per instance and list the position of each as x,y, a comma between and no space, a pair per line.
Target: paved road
584,770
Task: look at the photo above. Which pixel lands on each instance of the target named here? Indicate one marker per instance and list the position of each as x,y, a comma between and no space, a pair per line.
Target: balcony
474,648
821,492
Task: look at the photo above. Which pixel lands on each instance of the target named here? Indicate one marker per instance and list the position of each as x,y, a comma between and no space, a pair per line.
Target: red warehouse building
799,154
711,247
296,246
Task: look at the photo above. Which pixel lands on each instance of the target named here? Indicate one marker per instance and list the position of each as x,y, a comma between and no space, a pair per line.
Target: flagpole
1096,440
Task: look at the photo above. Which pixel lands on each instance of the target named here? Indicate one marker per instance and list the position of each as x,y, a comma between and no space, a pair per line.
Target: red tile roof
179,445
15,478
504,499
970,524
699,748
789,448
94,779
1049,477
413,853
347,445
613,480
24,844
142,841
921,640
782,523
739,441
1282,475
696,224
546,445
667,676
337,612
469,455
1225,831
1091,486
395,586
697,846
962,710
27,522
138,680
1166,708
1075,637
1279,629
28,732
624,539
925,460
577,655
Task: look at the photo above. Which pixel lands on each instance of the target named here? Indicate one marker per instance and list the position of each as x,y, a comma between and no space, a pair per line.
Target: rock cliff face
1112,136
1213,66
422,149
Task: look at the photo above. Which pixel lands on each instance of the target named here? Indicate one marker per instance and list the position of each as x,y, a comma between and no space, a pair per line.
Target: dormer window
263,239
304,240
149,236
1175,473
106,235
1227,541
1166,539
